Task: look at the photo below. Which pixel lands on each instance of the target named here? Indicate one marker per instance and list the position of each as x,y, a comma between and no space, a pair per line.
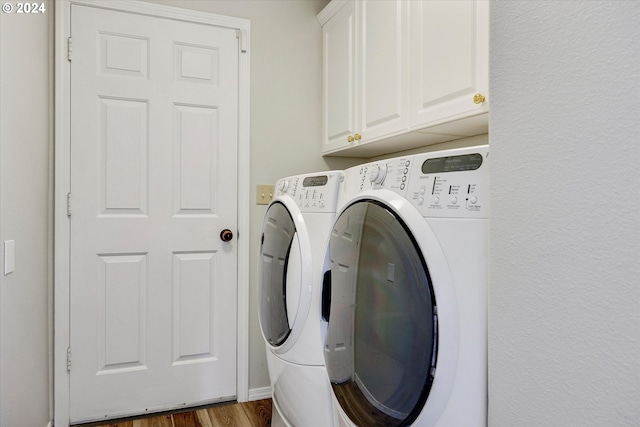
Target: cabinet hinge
69,48
69,359
68,204
242,36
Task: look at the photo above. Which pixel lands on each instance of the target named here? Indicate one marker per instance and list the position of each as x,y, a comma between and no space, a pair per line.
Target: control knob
378,174
284,185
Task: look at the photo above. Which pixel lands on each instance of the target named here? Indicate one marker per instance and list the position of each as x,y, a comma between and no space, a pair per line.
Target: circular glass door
381,344
278,252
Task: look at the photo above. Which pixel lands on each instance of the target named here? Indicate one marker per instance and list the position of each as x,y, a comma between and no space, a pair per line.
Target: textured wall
25,138
564,331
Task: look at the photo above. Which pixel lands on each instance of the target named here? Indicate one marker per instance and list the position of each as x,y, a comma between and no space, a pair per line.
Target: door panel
384,66
123,165
122,282
446,79
154,122
339,73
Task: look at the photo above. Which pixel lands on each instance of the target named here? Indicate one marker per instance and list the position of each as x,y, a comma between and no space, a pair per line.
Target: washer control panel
453,183
312,192
391,174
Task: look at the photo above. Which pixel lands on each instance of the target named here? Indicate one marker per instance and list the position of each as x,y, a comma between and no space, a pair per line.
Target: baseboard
259,393
50,424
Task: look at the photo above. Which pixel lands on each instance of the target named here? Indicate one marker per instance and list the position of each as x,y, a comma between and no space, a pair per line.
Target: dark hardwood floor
245,414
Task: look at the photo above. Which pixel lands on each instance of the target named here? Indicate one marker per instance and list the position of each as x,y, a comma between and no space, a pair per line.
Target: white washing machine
407,306
294,239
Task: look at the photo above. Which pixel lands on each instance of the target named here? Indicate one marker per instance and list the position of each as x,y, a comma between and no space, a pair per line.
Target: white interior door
154,130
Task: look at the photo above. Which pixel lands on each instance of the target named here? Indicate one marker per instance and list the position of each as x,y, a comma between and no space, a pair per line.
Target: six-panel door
154,128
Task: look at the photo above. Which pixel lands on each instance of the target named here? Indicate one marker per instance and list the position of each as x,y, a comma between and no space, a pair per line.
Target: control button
423,190
402,186
454,200
436,201
473,200
420,201
405,171
408,162
404,179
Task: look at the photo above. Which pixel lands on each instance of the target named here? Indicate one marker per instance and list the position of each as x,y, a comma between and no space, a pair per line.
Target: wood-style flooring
245,414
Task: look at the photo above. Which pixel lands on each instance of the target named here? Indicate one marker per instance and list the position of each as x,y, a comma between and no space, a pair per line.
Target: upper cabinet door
383,76
449,61
339,78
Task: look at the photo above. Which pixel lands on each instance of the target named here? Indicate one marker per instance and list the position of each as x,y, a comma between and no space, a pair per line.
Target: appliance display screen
467,162
315,181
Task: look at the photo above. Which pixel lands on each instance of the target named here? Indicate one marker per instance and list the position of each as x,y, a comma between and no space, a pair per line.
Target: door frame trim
61,393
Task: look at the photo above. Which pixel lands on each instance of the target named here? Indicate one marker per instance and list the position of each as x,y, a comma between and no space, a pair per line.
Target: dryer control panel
451,184
391,174
312,192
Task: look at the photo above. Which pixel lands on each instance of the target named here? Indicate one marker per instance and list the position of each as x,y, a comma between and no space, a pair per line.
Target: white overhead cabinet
399,74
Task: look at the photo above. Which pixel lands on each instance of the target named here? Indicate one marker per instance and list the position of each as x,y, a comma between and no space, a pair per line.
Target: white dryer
295,232
407,316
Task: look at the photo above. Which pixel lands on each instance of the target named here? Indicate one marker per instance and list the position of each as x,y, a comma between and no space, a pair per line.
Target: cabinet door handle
478,98
350,138
357,137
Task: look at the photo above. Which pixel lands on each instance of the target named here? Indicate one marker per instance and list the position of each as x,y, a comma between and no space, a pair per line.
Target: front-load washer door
381,344
283,266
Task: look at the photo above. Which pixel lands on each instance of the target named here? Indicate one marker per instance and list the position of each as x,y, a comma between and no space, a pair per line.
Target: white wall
25,74
564,313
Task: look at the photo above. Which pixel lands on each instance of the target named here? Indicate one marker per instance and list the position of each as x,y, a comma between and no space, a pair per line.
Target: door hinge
69,48
242,36
69,359
68,204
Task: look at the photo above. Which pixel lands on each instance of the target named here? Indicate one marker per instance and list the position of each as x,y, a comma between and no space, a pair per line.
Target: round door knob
478,98
226,235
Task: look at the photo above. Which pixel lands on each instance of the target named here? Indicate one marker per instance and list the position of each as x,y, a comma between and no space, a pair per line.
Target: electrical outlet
264,194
